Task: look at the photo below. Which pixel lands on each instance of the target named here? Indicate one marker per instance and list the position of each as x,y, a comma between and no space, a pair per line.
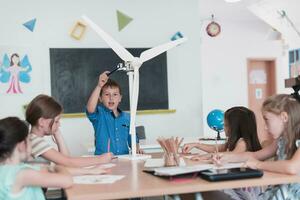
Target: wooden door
261,84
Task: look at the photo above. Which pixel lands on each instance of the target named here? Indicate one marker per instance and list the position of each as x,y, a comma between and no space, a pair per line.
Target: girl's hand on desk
217,159
227,157
252,163
98,170
204,158
188,147
220,159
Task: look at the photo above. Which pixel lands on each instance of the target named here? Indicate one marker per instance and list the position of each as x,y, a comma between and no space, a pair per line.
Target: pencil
217,150
108,145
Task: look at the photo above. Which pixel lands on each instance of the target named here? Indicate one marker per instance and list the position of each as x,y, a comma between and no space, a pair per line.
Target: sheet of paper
97,179
154,162
104,166
172,171
108,165
229,166
189,156
159,162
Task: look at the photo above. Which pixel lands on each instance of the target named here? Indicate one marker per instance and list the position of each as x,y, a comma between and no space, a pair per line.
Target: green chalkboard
75,72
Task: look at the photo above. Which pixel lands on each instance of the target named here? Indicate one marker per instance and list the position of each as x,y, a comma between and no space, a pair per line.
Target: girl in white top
44,113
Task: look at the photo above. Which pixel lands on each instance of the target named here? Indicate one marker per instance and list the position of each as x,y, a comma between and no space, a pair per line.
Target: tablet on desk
230,174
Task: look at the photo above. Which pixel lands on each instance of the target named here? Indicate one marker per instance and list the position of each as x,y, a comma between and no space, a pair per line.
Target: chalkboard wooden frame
75,71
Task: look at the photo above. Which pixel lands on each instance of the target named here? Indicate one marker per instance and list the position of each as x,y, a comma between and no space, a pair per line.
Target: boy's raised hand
103,79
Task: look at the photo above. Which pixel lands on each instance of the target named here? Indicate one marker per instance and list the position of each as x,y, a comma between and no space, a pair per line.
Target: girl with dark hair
19,180
241,132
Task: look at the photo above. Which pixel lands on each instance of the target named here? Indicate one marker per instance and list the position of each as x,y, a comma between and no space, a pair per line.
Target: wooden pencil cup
171,159
170,147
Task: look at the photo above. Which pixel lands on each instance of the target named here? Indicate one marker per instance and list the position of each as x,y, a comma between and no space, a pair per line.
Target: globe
215,120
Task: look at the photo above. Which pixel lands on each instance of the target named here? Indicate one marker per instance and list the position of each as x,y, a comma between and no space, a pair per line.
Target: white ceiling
239,11
224,11
263,11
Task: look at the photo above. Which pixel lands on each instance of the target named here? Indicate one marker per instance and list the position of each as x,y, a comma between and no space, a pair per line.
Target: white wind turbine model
132,65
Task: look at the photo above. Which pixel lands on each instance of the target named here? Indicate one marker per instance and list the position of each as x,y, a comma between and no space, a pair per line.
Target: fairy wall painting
14,71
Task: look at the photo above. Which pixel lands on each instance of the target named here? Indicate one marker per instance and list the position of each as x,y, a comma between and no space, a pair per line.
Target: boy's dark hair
112,84
42,106
241,123
12,131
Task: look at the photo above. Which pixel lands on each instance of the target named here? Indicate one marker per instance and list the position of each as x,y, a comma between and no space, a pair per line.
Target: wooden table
152,146
137,183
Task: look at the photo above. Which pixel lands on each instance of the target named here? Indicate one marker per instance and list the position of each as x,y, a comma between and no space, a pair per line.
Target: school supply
119,67
97,179
170,147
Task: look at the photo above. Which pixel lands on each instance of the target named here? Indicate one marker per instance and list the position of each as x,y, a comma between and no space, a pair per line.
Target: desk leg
198,196
174,197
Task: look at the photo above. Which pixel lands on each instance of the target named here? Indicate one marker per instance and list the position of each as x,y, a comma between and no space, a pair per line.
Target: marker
119,66
217,153
217,150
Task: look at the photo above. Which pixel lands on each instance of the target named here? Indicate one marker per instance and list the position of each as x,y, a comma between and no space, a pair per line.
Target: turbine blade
118,49
155,51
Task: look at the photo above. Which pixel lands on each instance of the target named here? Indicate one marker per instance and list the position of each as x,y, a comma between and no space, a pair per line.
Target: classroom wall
224,64
154,23
203,74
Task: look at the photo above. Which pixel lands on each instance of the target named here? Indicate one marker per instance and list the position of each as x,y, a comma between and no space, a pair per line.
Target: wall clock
213,29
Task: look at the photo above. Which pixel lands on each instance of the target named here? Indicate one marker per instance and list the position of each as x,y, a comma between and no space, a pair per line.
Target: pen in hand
119,66
216,156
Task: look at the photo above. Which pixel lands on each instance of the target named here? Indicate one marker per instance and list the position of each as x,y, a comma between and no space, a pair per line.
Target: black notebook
230,174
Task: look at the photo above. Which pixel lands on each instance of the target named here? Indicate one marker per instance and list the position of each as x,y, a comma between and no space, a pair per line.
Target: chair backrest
140,132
